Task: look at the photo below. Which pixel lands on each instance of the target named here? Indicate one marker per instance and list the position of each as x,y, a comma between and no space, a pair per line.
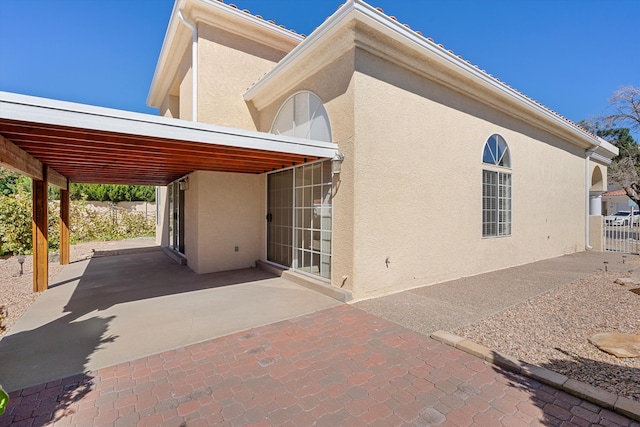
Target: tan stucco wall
228,66
162,222
596,233
598,176
178,102
417,174
408,203
222,211
333,84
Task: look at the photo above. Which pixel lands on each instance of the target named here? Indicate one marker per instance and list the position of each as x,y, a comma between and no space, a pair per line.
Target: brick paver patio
340,366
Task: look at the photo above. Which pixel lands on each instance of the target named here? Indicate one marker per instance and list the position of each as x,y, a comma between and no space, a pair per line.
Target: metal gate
622,232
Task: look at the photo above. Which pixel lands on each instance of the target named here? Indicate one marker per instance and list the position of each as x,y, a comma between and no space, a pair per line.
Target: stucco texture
224,211
333,84
417,171
407,205
232,65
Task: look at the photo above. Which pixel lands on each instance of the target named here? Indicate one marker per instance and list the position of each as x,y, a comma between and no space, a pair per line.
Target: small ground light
21,262
605,266
624,258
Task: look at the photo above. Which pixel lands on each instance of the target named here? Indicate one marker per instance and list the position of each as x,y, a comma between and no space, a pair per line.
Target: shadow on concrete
108,310
144,273
125,251
33,356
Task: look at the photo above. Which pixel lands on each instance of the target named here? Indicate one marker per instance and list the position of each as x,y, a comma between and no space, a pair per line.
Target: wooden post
64,227
39,234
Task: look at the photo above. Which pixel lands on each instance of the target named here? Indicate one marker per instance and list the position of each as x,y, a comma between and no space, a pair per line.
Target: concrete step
174,255
306,281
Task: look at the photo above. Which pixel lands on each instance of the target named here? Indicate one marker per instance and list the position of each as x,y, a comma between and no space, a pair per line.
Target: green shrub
113,192
87,224
91,225
15,223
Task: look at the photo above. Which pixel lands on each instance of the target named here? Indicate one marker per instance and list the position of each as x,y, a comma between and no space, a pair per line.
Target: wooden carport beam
56,179
40,242
15,158
18,160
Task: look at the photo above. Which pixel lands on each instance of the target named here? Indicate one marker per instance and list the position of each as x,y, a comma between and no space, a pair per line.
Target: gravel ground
16,292
553,330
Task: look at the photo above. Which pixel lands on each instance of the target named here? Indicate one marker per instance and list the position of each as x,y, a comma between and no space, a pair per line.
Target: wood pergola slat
102,157
57,143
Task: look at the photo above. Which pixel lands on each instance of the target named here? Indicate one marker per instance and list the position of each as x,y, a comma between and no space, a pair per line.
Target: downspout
194,65
587,185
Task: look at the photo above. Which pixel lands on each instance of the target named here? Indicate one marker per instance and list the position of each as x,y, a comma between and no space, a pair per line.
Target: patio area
108,310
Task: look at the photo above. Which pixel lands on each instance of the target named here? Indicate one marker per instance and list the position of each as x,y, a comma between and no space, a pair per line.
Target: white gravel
553,330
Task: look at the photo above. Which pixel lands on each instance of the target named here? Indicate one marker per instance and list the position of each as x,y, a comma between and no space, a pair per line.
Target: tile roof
615,193
270,21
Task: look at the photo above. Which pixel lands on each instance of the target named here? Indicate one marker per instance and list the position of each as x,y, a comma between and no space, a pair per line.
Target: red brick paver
340,366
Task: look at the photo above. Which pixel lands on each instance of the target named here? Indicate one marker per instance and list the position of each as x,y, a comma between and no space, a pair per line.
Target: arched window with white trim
303,115
496,188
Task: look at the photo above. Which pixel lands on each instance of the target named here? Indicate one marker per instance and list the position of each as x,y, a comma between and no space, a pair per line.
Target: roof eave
177,38
358,9
61,113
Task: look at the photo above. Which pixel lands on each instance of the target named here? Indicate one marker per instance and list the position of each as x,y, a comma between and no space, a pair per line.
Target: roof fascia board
217,14
603,152
161,83
60,113
398,32
386,25
302,52
601,158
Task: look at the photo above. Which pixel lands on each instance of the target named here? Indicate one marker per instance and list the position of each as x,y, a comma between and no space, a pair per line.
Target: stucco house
418,130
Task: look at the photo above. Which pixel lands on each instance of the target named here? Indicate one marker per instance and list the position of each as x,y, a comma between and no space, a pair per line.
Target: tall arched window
496,188
303,115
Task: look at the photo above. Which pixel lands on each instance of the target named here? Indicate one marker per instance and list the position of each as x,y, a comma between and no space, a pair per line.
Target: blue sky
570,55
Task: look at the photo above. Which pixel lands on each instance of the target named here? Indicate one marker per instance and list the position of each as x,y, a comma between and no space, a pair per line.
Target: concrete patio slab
112,309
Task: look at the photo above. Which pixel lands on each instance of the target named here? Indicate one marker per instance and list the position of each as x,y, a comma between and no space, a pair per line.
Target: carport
57,143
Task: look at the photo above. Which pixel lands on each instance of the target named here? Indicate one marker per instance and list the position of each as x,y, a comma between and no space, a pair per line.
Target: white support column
595,205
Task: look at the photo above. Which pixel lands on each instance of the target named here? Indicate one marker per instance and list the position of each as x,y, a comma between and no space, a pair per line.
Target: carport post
64,226
39,233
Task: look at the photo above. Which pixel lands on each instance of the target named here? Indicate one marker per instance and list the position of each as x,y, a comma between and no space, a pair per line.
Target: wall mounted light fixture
336,163
183,184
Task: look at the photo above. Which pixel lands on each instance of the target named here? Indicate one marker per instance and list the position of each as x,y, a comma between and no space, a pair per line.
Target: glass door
299,211
280,217
176,217
313,219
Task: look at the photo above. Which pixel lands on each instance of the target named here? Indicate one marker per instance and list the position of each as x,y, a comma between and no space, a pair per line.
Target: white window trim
497,169
311,93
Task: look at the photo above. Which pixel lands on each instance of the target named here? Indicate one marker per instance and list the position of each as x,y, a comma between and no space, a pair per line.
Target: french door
176,217
299,212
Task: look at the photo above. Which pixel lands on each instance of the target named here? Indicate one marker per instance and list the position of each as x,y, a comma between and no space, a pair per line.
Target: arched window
496,152
496,188
303,115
